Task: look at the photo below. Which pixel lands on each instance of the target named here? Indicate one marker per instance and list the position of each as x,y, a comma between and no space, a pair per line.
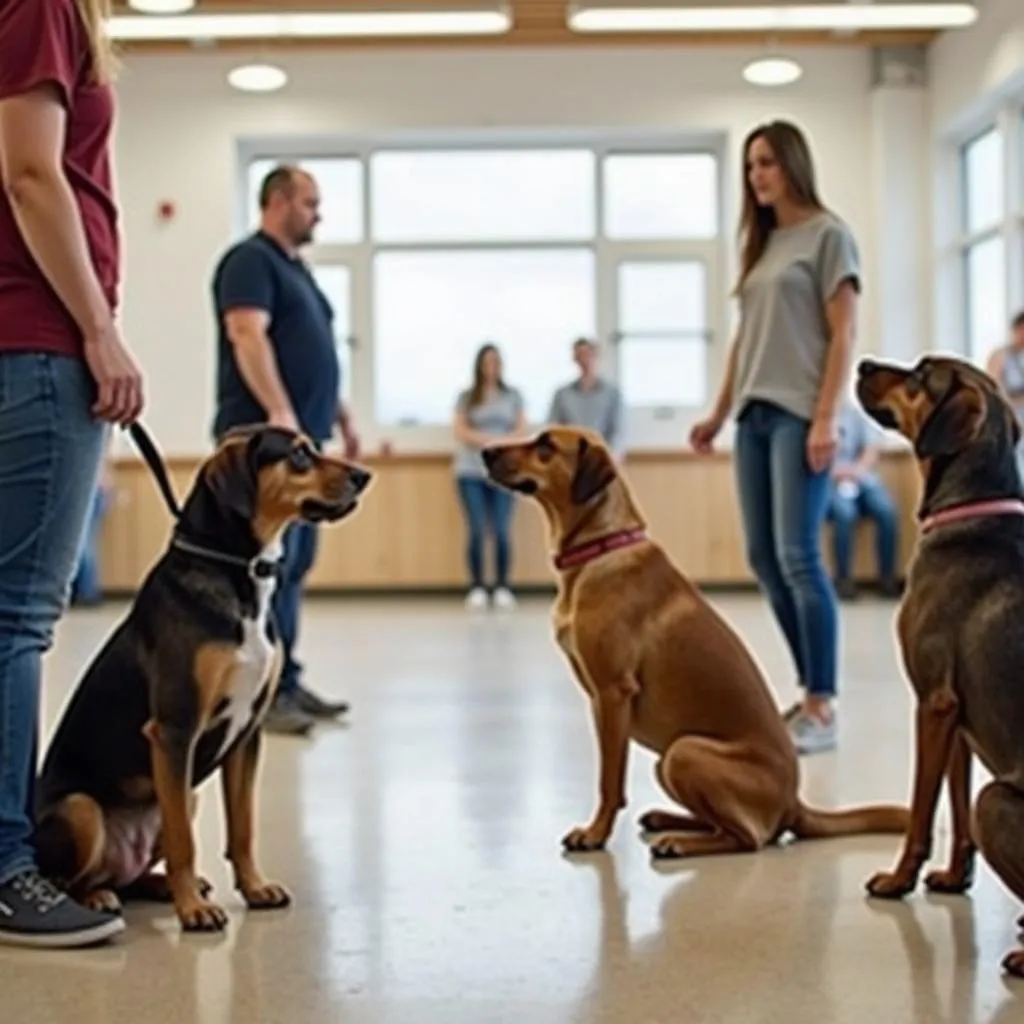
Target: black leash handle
156,465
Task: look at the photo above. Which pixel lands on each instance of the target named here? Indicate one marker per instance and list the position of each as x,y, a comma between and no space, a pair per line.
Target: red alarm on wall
165,210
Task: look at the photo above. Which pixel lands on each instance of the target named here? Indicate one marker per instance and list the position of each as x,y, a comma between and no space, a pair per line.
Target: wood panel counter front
409,533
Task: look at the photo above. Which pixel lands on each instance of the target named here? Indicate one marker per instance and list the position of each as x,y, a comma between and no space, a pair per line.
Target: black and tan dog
180,688
961,621
661,667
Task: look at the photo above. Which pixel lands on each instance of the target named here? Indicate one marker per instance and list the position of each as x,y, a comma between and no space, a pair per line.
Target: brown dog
961,622
180,688
661,667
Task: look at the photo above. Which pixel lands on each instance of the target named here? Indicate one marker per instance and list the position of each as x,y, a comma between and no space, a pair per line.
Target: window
429,252
663,332
985,290
660,195
433,309
335,281
983,182
482,195
340,180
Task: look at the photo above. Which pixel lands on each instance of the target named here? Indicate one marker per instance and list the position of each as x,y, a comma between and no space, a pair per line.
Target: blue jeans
51,449
87,585
872,502
487,505
783,508
300,545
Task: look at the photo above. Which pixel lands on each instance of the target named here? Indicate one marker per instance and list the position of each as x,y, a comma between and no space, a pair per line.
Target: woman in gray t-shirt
786,377
489,409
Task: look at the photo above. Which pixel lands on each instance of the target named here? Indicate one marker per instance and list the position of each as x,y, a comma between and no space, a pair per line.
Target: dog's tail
883,819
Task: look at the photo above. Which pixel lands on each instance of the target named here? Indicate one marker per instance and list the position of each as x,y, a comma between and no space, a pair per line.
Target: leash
584,553
973,510
259,568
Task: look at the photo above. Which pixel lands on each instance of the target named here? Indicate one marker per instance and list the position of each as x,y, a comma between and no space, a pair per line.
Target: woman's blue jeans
783,505
51,450
484,504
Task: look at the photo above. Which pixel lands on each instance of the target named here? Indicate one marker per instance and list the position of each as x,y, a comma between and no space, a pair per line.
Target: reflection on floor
421,842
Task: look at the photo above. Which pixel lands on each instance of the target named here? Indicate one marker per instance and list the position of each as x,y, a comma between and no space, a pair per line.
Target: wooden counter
409,532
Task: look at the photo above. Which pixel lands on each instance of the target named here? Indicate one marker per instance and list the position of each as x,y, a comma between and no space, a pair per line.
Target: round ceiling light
162,6
772,71
257,78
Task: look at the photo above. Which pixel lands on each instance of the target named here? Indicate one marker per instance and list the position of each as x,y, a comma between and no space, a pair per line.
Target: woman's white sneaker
476,599
504,599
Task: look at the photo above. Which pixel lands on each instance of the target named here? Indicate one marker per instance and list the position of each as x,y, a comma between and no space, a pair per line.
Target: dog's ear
953,424
594,472
231,478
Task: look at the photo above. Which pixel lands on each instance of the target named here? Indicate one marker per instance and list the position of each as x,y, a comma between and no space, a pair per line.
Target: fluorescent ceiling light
772,71
310,25
162,6
257,78
730,17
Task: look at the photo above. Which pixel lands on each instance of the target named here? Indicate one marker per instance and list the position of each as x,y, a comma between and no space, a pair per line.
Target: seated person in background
590,400
87,587
858,491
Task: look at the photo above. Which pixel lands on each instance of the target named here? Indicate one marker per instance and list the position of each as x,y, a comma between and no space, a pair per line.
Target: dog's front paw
889,885
585,840
952,880
103,900
200,915
1013,963
266,896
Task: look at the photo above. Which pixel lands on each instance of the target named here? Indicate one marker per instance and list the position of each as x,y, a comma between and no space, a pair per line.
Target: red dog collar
572,557
959,513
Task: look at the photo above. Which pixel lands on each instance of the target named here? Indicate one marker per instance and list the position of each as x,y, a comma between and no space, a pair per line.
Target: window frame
646,428
952,305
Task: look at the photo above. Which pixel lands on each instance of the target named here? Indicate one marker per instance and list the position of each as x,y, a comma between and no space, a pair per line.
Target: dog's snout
490,455
359,478
866,367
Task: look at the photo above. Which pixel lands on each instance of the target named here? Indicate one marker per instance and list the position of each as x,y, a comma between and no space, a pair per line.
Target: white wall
179,122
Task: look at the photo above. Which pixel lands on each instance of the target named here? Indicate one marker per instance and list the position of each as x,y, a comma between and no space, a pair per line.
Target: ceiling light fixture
162,6
257,78
731,17
771,71
311,25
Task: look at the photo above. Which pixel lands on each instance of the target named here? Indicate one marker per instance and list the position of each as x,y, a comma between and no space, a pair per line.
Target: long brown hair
476,394
94,15
789,147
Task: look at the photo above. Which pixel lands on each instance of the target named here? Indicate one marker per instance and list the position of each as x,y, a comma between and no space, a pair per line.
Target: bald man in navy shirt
277,362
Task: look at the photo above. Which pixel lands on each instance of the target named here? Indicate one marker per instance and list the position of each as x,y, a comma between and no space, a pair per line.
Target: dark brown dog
180,689
961,622
661,667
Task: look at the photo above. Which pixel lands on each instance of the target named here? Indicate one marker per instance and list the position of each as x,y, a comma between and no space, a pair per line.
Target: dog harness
974,510
572,557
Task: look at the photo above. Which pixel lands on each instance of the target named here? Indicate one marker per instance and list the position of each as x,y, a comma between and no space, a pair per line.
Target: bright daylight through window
529,247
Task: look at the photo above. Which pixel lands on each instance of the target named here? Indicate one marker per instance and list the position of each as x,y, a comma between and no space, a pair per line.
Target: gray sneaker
35,913
811,735
286,717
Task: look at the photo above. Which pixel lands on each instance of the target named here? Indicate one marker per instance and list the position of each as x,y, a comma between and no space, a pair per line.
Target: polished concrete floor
421,843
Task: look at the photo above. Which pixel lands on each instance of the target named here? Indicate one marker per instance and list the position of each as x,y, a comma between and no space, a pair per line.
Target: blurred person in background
489,409
590,400
858,492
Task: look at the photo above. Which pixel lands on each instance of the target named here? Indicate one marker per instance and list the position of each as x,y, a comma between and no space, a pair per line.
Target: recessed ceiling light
162,6
772,71
672,16
257,78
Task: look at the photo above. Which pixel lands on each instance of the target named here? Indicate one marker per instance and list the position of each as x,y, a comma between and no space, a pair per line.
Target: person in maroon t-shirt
65,375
